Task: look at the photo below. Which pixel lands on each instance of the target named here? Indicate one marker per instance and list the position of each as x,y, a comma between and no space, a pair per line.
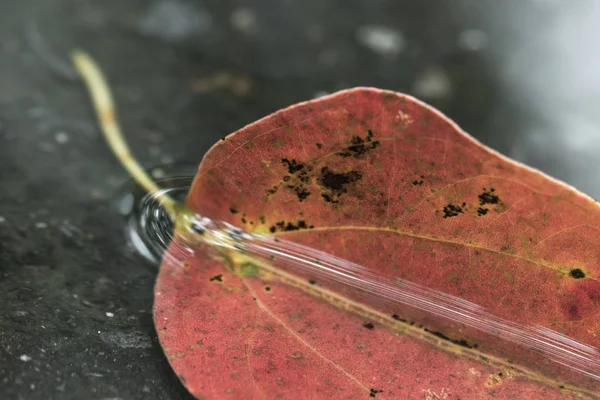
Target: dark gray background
520,75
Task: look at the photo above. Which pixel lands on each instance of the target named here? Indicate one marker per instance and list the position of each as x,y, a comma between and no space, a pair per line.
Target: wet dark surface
75,321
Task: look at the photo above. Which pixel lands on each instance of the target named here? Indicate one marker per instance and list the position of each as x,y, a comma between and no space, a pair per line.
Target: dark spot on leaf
573,311
244,220
373,392
335,183
328,198
233,210
262,219
419,181
267,289
302,193
577,273
273,190
319,145
369,325
223,138
488,197
397,318
297,178
312,281
359,145
482,211
282,226
452,210
292,165
460,342
217,278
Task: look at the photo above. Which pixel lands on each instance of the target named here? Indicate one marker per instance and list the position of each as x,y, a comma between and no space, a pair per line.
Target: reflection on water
149,228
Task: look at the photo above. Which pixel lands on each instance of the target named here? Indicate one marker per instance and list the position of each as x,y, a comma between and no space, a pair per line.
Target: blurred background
75,315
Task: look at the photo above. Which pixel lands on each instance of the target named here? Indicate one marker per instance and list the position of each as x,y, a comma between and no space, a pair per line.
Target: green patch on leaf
248,270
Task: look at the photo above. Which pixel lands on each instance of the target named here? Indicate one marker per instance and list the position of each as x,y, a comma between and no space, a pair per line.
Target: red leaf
383,180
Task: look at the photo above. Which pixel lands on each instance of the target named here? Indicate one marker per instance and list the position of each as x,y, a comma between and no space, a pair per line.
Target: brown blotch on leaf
217,278
359,145
319,145
577,273
233,210
488,197
494,380
452,210
335,183
481,211
369,325
374,392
